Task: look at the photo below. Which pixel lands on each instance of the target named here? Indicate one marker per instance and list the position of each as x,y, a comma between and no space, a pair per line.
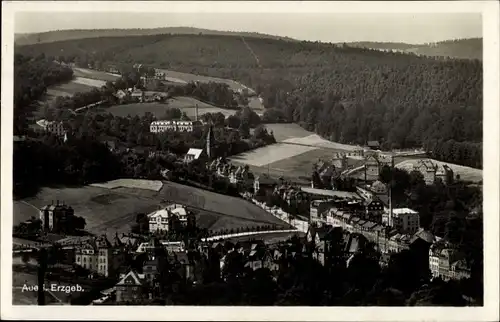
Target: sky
325,27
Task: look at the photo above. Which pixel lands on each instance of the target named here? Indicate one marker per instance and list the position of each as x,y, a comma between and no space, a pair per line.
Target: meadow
94,74
185,104
114,209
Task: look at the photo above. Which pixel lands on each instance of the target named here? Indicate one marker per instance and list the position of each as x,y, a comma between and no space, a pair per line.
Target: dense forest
471,48
345,94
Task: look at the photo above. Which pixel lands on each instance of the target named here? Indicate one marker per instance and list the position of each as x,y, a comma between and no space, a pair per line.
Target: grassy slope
185,104
114,210
61,35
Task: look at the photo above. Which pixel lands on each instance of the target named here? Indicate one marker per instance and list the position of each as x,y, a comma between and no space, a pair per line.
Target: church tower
210,142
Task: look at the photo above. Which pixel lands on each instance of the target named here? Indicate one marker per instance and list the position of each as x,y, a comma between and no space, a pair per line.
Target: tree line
32,76
347,94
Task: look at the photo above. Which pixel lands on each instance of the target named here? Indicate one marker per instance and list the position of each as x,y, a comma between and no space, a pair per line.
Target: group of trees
32,76
347,94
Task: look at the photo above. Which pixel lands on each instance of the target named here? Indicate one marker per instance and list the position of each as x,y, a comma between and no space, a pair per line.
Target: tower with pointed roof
210,142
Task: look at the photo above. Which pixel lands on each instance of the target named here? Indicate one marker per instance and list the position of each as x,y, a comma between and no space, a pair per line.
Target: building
192,154
428,170
132,288
372,167
173,125
57,218
404,220
100,255
239,175
262,184
121,94
166,219
53,127
374,145
447,263
445,174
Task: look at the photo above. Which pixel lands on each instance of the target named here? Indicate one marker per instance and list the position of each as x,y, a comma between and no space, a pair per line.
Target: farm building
173,125
374,145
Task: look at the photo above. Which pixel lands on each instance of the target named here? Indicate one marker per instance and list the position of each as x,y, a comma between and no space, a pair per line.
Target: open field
270,154
89,82
284,131
466,173
94,74
67,89
317,141
114,210
185,77
185,104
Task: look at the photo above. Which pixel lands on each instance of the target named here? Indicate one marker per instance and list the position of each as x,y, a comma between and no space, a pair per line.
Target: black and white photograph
250,157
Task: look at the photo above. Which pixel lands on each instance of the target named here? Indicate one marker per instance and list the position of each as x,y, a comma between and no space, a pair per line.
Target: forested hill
346,94
471,48
62,35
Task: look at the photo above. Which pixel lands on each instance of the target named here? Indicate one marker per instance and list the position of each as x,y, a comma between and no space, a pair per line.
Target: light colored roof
132,278
159,213
180,211
330,193
400,211
195,152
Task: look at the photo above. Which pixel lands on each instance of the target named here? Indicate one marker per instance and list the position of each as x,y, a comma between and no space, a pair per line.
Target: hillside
461,48
62,35
345,94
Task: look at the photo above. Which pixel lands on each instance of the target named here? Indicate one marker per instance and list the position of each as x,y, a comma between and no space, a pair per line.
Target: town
155,185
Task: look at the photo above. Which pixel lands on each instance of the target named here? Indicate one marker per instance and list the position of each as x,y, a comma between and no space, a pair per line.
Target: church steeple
210,142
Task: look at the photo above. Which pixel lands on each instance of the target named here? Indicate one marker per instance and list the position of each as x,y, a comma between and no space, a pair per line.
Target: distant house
447,263
404,220
445,174
120,94
193,154
100,255
372,167
53,127
138,95
374,145
56,217
428,170
172,125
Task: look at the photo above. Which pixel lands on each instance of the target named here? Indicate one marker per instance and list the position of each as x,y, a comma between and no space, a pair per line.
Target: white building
54,127
161,220
447,263
173,125
403,219
192,154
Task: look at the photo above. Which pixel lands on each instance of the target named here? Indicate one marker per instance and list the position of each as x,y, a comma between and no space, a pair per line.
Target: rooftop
400,211
330,193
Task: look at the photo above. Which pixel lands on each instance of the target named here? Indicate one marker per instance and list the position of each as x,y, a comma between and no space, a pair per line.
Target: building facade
100,255
173,125
56,217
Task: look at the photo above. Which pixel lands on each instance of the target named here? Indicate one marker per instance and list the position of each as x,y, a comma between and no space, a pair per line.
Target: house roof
400,211
330,193
195,152
132,278
423,234
427,164
373,143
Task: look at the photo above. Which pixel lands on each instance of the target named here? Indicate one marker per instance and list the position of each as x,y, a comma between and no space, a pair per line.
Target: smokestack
390,191
196,112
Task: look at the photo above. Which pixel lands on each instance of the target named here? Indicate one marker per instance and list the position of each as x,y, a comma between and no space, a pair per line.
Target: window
84,260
